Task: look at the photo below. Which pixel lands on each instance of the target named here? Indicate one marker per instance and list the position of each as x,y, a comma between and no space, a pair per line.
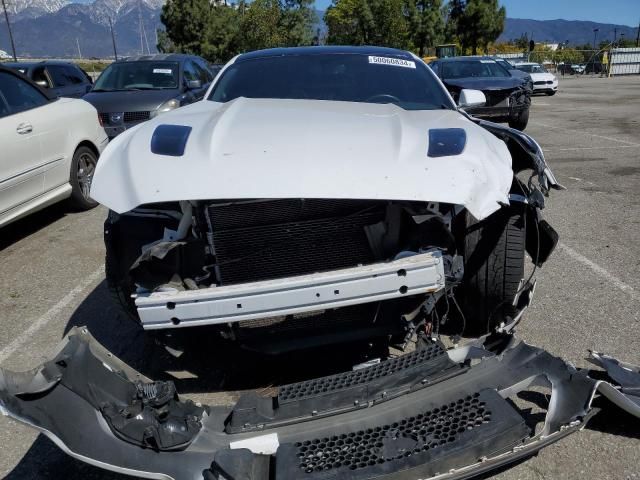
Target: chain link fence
605,62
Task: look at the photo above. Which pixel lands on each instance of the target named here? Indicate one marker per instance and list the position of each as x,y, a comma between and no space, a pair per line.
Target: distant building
4,55
551,46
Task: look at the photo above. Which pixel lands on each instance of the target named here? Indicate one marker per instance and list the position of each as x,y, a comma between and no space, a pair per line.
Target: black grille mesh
130,117
302,390
364,448
274,239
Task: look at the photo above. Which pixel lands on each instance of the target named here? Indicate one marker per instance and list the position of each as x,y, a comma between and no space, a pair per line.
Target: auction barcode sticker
395,62
166,71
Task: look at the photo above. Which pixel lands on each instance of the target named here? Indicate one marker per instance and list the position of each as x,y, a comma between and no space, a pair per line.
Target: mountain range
73,28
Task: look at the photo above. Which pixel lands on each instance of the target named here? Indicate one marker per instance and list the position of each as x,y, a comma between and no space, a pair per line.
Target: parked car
514,71
50,148
508,96
326,194
63,79
135,89
543,81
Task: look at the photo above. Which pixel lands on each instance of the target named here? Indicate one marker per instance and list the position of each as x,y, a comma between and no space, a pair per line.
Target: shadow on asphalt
31,224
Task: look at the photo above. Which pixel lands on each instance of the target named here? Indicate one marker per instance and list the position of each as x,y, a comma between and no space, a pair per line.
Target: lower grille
539,83
132,117
497,98
321,386
435,440
281,238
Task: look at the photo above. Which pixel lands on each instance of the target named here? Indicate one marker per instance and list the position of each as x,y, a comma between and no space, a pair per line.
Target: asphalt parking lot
588,294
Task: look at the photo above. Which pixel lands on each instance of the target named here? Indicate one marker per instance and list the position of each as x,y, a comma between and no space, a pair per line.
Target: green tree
368,22
297,22
481,23
453,13
260,25
426,23
186,23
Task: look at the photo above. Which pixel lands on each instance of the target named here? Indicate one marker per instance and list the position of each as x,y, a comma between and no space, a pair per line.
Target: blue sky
621,12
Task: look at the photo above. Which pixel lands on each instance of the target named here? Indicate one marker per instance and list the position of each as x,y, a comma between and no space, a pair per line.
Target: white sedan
543,80
50,148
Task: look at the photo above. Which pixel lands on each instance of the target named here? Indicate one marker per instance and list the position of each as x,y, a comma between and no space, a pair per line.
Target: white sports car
543,81
318,191
50,148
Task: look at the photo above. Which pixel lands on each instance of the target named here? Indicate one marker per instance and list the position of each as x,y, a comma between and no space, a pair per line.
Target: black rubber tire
78,200
494,266
551,94
520,121
120,288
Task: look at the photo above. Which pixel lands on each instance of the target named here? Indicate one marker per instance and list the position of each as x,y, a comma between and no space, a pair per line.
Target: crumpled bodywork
432,413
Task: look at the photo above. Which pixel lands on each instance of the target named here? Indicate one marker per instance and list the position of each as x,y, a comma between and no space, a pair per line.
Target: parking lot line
49,315
552,149
615,281
555,127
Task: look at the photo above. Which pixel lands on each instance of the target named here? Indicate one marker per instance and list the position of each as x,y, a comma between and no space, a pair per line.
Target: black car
514,71
136,89
508,95
63,79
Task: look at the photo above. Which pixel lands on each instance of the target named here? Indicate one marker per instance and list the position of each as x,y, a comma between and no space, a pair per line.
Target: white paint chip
262,445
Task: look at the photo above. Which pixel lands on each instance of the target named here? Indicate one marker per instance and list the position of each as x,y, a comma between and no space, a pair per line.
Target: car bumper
547,87
417,274
493,113
427,414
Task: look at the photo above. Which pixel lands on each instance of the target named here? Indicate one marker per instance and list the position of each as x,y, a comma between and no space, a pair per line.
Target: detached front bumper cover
428,414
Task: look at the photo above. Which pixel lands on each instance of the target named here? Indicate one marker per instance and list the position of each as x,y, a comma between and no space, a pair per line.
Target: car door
80,85
62,85
21,163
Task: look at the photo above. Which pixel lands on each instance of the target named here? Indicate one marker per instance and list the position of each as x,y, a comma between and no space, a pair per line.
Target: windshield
138,76
532,68
472,68
342,77
504,63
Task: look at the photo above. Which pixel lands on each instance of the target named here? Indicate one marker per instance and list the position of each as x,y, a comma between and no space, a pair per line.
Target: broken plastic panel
433,413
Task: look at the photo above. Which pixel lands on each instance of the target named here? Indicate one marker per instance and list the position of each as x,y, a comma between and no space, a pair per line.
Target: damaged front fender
431,413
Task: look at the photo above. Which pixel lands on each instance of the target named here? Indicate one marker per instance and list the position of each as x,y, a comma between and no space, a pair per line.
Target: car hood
485,83
129,100
538,77
262,148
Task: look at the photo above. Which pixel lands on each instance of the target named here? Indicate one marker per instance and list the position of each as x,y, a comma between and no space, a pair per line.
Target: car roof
325,50
36,63
176,57
527,63
465,58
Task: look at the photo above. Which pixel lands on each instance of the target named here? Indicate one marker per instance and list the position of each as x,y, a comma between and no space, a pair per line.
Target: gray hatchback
136,89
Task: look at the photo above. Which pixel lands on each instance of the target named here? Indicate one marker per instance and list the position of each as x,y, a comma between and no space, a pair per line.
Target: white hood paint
262,148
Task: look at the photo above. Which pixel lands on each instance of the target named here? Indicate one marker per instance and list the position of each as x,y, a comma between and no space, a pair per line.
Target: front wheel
520,121
494,251
83,166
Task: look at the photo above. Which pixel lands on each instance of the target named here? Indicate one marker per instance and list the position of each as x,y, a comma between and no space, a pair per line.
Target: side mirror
471,98
194,84
42,83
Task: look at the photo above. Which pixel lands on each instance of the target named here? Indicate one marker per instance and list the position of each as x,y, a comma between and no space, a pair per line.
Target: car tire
120,287
520,121
551,94
494,252
83,166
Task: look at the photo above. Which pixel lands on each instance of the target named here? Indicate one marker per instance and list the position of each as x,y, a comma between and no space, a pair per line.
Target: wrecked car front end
431,413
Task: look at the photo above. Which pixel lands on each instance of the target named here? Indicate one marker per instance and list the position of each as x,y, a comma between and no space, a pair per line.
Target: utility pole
140,28
595,36
13,45
615,34
638,36
113,40
78,44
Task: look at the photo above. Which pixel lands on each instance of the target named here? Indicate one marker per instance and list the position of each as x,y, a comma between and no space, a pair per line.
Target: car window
190,71
344,77
472,68
142,75
4,108
74,75
58,75
532,68
19,95
207,76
